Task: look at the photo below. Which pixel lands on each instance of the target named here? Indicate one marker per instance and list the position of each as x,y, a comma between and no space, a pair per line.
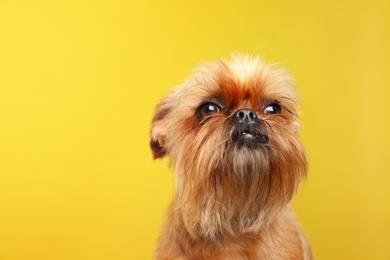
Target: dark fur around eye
273,108
207,109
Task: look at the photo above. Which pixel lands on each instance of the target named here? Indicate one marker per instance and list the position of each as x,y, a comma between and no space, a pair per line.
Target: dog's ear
159,129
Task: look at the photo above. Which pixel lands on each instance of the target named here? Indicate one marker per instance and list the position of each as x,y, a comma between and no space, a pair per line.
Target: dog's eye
207,109
273,108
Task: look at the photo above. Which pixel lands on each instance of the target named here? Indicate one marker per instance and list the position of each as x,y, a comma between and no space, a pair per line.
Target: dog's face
230,131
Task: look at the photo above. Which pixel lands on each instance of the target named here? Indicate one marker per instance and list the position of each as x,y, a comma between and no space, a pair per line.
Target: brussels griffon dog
231,134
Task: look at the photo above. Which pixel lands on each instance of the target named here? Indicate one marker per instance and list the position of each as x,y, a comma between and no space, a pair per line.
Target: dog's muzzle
248,130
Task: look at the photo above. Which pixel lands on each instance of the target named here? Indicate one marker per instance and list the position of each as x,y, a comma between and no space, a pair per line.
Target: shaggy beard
229,190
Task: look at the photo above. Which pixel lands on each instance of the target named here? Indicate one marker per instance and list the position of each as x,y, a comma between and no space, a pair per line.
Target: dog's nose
246,116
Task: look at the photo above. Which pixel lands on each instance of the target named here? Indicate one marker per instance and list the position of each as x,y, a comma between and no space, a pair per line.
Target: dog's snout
246,116
247,129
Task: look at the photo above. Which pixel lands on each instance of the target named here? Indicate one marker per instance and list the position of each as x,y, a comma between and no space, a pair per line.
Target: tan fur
230,202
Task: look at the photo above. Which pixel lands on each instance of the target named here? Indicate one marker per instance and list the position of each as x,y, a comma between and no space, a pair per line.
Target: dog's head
231,133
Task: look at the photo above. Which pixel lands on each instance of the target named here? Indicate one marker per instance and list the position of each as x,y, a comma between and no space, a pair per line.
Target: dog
231,133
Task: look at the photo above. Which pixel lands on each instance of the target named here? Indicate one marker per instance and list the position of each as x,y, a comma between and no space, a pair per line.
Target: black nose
246,116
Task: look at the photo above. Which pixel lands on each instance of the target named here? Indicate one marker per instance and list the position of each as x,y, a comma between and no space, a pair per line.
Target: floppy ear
158,129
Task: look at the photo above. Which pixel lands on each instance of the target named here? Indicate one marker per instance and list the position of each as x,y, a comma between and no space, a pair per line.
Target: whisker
268,124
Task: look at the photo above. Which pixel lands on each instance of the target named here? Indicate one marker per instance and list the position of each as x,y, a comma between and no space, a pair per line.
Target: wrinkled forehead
234,82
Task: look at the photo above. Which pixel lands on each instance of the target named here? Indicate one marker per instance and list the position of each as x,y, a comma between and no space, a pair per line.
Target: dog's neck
221,231
212,219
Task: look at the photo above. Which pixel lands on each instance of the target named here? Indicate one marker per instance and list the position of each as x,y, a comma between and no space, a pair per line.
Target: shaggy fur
232,196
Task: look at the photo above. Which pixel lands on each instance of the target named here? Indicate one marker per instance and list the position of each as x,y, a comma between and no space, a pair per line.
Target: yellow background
78,83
